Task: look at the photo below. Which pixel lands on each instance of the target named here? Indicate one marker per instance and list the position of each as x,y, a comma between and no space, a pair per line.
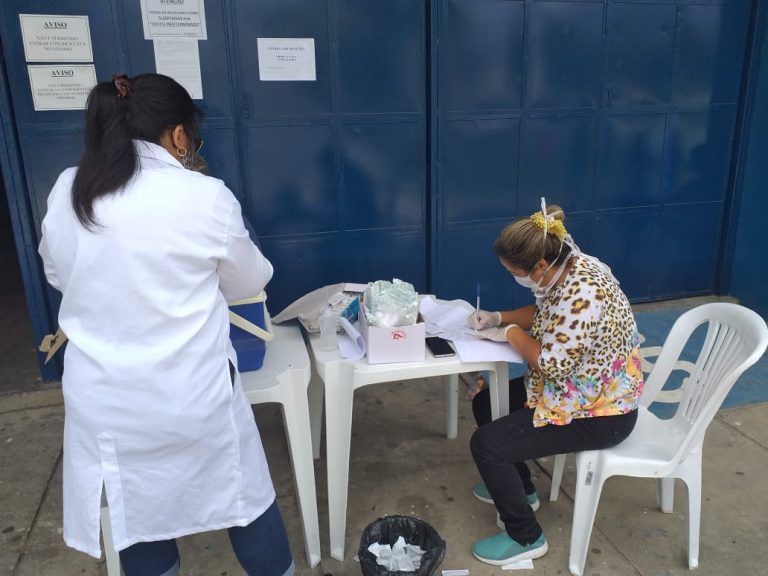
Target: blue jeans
261,548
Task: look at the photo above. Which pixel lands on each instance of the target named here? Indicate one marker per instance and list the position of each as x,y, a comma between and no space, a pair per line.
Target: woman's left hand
498,334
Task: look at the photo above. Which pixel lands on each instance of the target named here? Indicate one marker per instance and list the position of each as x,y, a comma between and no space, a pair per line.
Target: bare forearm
523,317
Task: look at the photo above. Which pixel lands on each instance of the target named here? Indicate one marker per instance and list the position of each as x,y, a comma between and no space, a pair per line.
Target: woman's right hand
480,319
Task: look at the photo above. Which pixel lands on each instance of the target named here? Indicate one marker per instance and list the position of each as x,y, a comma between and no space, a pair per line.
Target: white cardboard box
386,345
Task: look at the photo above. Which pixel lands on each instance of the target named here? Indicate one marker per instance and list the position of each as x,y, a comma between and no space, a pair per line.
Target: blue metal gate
432,124
621,112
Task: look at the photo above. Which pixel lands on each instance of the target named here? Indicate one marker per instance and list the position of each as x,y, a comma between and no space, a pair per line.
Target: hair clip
122,84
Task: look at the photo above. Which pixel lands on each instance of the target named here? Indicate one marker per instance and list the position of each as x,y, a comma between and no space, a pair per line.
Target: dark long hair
143,108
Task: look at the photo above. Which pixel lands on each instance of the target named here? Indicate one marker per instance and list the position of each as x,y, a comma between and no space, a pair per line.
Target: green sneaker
480,492
500,549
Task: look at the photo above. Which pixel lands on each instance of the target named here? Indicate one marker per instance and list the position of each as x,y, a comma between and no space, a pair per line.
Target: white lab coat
150,411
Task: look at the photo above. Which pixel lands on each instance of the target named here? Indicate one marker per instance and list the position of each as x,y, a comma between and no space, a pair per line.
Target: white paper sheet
486,351
49,38
177,19
179,58
62,87
286,59
522,565
449,320
351,342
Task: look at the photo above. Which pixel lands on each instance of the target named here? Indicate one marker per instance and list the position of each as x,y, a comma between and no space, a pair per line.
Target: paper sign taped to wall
49,38
286,59
179,58
174,18
62,87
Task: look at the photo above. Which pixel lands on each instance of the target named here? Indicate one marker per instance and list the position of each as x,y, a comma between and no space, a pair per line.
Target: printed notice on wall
63,87
286,59
179,58
50,38
174,18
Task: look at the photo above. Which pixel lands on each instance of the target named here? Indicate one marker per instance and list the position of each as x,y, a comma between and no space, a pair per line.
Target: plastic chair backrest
736,338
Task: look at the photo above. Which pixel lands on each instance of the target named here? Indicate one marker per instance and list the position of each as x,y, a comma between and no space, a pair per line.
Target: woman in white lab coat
146,253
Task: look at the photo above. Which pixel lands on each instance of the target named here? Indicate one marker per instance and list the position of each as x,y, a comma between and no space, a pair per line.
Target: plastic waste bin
415,531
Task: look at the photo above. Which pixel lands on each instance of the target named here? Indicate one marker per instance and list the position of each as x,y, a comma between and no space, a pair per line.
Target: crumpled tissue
391,304
400,557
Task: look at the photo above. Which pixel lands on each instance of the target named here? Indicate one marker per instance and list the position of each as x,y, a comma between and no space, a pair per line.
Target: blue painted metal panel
379,254
292,176
630,160
557,161
380,56
480,168
299,262
627,240
22,223
483,41
698,156
689,240
383,171
564,41
640,39
710,48
466,257
330,172
282,19
745,256
340,162
627,121
621,112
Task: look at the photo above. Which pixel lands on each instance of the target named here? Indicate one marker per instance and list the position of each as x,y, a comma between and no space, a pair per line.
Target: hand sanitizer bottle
327,323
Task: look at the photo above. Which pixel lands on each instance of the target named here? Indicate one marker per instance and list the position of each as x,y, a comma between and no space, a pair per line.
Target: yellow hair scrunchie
551,225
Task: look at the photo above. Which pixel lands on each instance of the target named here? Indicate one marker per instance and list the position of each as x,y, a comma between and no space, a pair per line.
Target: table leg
338,433
297,424
451,397
499,390
315,393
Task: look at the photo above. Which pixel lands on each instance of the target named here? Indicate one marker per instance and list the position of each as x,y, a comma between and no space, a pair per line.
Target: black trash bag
414,530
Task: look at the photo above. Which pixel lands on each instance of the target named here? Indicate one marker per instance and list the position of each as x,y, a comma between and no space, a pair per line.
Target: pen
478,299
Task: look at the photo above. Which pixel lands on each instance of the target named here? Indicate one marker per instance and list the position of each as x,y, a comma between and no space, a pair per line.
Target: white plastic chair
664,396
667,449
283,378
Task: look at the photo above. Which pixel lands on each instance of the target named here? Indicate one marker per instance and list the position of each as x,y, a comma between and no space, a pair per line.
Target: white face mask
541,291
538,290
526,282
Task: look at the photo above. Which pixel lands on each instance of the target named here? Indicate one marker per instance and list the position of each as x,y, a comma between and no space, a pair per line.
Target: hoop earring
182,152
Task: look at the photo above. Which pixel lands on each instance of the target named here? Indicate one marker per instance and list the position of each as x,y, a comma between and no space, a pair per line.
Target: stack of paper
448,320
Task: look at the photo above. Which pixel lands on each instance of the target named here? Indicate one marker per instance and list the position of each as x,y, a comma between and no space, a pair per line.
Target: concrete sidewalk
402,464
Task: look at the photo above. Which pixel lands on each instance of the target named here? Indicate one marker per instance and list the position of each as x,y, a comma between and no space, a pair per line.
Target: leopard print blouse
590,353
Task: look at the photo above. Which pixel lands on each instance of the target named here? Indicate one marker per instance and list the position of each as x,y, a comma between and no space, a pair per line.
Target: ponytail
117,113
109,160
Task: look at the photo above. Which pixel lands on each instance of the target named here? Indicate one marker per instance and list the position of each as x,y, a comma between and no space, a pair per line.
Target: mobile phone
440,348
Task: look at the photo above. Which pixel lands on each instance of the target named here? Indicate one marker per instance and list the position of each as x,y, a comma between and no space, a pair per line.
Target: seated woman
582,383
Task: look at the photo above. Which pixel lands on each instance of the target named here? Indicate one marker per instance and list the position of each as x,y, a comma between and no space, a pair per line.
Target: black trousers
500,448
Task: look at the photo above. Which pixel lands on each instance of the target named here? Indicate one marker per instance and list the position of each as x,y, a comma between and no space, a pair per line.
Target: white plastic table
340,378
